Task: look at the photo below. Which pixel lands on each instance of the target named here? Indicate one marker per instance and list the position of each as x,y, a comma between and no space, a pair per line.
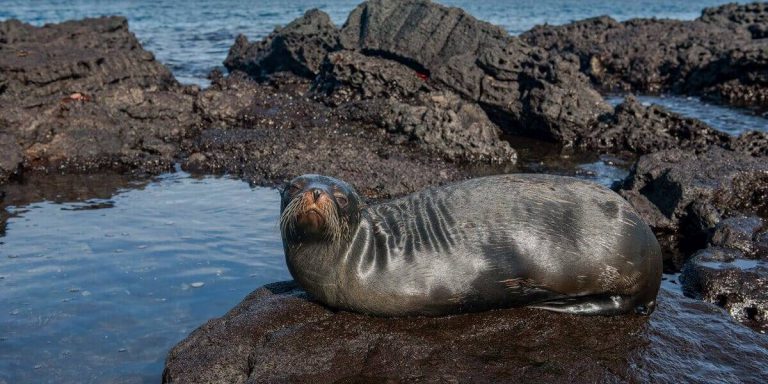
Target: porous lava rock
731,279
722,55
403,48
270,133
82,95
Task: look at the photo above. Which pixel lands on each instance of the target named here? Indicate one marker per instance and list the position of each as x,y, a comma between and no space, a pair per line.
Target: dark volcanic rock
10,156
447,124
351,75
84,94
687,194
394,62
733,271
722,55
725,276
390,95
642,129
277,335
299,47
753,17
753,143
400,49
523,89
748,235
268,134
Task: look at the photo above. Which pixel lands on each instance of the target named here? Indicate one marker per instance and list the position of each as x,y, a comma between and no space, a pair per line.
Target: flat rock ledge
277,334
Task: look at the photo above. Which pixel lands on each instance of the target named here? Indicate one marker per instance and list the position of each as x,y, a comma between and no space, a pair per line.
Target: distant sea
193,37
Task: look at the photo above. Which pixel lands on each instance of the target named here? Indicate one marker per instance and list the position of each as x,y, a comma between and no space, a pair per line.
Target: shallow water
194,38
734,121
98,290
743,264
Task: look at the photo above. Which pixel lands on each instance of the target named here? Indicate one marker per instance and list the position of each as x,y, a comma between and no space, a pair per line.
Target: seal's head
318,208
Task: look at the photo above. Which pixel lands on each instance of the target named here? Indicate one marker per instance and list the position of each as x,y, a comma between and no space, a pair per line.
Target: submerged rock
729,278
84,94
278,334
732,271
723,55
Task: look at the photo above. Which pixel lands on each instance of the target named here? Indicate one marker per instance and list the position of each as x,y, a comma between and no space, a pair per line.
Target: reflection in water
97,289
538,156
98,281
690,341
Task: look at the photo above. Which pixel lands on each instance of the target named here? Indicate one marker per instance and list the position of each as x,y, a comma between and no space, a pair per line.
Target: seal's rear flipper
590,305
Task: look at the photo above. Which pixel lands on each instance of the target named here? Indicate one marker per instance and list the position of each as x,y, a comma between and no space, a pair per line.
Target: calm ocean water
100,276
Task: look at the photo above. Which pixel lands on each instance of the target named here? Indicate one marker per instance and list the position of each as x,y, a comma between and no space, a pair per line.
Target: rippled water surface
194,38
99,289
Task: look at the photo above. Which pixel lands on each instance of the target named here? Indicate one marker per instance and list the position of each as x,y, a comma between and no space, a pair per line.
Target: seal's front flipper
590,305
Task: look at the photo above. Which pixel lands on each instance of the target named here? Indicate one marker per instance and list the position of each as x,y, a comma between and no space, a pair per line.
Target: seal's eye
292,189
341,199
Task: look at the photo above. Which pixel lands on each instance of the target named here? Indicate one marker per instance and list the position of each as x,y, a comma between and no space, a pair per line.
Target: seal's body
544,241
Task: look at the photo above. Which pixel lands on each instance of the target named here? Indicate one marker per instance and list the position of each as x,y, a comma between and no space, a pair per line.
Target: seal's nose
316,193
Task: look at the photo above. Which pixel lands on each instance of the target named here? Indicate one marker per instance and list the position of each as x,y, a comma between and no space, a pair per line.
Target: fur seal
544,241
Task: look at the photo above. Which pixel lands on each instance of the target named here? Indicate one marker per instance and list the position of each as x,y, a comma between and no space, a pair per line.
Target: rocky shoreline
405,95
720,56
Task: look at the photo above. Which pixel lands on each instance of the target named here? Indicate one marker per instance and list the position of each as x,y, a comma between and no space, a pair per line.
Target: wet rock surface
84,95
278,334
722,55
732,271
732,280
